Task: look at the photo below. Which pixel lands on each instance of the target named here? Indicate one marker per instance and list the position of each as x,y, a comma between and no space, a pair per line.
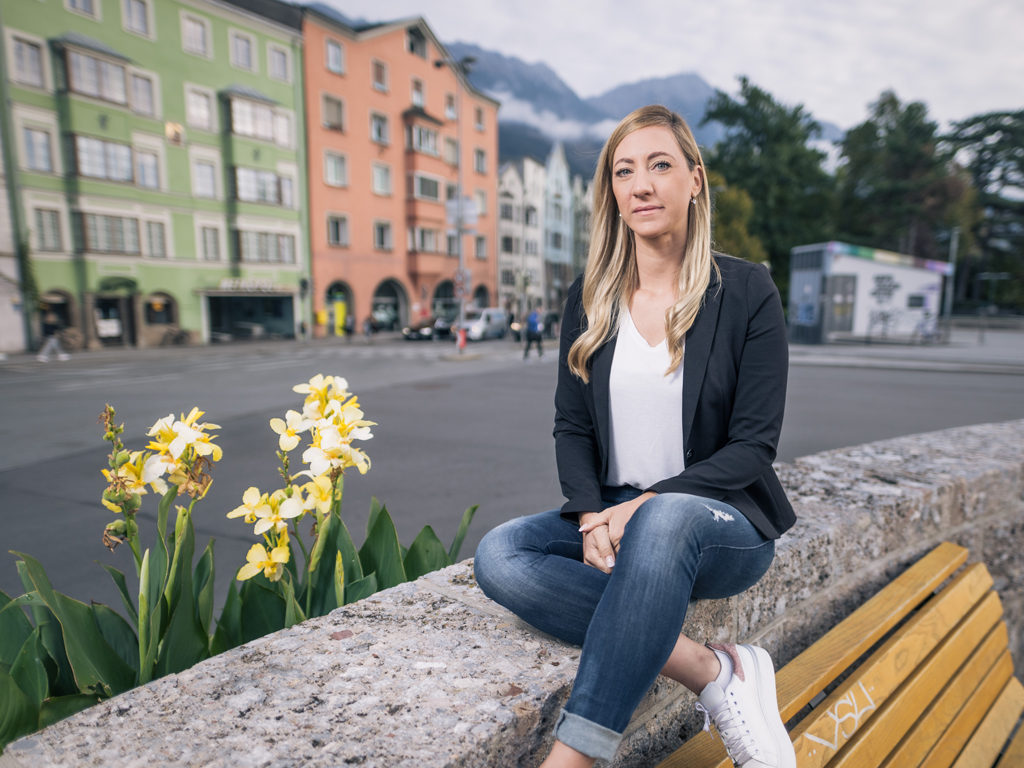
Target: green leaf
14,630
339,579
320,581
262,609
175,579
122,588
359,589
118,633
382,554
185,643
292,613
93,661
149,619
323,531
460,536
202,588
349,554
58,707
18,715
375,508
29,670
426,554
229,625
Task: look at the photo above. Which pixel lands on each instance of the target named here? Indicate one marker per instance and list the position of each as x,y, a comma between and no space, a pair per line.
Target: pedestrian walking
668,408
368,328
349,327
51,333
534,333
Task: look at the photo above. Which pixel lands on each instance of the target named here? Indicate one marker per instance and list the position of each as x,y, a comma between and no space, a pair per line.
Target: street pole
954,244
461,69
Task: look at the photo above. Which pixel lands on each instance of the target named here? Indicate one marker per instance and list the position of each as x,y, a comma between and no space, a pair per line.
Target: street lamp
461,69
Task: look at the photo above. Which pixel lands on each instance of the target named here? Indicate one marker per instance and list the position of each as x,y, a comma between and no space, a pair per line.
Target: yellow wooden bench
939,692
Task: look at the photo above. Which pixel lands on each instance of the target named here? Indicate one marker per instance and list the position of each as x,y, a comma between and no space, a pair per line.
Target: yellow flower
289,430
281,508
272,565
320,494
173,437
139,472
252,504
163,430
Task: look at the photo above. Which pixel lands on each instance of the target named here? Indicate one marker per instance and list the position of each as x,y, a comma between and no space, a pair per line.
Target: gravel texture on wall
433,674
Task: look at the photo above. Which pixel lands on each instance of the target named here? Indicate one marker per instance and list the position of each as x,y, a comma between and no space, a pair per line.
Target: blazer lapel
599,377
696,355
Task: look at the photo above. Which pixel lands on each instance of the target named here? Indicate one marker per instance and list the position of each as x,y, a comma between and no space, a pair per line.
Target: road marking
76,385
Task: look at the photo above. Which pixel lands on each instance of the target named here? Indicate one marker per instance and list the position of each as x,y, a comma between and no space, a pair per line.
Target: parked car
428,328
490,323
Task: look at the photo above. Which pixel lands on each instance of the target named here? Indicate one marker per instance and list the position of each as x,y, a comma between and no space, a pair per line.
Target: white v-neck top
645,411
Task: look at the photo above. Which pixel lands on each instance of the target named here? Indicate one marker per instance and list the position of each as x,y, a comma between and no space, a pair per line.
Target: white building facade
522,186
558,229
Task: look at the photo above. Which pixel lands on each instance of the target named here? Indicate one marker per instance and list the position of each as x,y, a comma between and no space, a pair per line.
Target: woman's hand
615,519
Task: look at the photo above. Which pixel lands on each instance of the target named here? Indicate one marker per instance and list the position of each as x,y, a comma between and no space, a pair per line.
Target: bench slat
830,725
949,746
873,742
915,745
987,742
810,672
1014,755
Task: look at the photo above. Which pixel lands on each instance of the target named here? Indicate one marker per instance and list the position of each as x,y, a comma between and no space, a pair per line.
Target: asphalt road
452,432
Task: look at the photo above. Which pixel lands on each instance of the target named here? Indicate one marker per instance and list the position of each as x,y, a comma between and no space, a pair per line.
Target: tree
991,146
733,209
766,153
897,190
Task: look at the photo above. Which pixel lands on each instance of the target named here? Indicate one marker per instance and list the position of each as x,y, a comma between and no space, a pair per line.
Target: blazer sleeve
576,450
760,400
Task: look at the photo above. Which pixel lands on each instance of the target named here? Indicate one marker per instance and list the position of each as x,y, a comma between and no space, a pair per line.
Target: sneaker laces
739,742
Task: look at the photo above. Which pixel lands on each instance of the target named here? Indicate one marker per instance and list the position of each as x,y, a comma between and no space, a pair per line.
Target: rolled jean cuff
586,736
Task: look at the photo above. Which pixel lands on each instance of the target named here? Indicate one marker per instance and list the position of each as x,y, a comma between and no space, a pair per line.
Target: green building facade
159,174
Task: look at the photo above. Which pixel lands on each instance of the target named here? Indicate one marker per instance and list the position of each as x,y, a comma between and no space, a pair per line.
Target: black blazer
735,366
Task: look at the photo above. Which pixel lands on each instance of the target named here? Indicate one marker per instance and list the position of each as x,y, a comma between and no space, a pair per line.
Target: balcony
430,264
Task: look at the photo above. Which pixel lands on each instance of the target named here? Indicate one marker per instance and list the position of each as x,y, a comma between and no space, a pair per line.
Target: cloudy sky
961,57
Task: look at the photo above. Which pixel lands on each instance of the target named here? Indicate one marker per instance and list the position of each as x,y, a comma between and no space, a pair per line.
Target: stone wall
432,673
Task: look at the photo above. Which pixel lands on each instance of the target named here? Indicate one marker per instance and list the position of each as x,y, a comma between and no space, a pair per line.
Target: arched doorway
339,305
114,311
390,306
160,315
481,296
445,304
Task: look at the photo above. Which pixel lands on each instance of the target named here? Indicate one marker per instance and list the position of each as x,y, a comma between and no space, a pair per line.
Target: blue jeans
675,548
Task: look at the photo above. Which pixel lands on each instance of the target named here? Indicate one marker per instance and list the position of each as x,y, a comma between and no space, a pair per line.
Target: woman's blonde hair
611,276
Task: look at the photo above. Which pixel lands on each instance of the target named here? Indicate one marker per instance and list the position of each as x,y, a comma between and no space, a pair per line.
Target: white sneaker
746,713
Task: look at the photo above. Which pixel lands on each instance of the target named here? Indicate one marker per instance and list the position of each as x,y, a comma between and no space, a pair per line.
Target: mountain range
538,107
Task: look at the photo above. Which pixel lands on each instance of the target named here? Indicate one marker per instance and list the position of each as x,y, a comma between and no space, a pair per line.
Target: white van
490,323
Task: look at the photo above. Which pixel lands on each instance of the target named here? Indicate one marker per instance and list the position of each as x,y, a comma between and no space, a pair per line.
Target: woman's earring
620,215
693,200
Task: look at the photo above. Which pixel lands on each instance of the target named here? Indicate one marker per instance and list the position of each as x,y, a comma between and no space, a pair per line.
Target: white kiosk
841,292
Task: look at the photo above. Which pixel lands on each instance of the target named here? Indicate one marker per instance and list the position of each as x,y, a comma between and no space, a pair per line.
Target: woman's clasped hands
602,532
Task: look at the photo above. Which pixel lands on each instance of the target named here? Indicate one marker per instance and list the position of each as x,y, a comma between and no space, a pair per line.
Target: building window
277,60
451,151
260,121
506,244
266,247
103,159
451,191
204,179
481,247
242,51
556,240
531,246
335,57
210,237
478,118
334,113
382,235
427,188
480,197
557,208
47,230
380,75
449,106
142,95
283,130
453,245
336,170
381,179
28,63
531,217
255,186
508,277
427,240
423,140
479,161
95,77
195,37
417,42
199,110
418,98
111,234
155,239
337,230
136,16
88,7
148,175
506,212
378,129
37,150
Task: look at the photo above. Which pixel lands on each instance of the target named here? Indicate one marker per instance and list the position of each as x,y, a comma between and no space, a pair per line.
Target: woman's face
653,184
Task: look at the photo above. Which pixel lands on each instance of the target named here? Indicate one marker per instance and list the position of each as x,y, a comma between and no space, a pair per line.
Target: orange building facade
383,127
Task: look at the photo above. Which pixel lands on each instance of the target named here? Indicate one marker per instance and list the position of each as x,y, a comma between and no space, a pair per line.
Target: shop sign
248,284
